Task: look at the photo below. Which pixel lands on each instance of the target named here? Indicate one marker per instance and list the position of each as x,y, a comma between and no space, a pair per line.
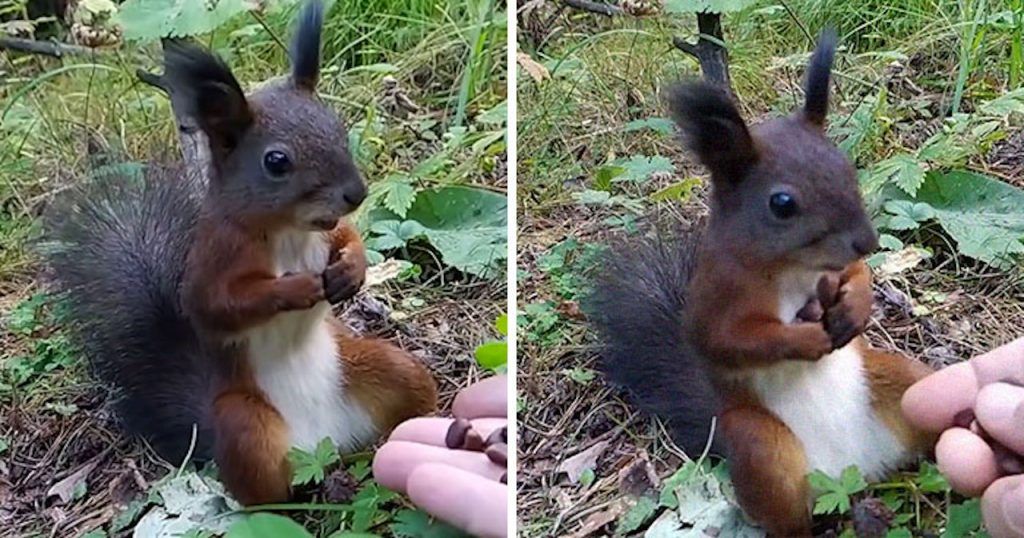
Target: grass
600,109
55,115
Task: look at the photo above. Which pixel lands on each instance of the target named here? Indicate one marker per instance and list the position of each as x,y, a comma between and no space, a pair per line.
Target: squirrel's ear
306,47
213,96
713,129
819,70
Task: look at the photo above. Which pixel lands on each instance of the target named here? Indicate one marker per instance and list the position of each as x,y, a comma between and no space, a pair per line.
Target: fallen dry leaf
66,488
575,466
597,521
638,478
384,271
537,72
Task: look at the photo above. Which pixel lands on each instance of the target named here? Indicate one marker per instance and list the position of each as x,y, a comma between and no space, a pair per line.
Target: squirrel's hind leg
768,468
389,383
251,447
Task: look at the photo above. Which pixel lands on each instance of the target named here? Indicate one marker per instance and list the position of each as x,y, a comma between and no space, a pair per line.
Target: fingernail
1013,509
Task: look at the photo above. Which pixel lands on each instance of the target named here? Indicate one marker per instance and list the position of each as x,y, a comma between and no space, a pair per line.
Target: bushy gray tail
117,249
636,305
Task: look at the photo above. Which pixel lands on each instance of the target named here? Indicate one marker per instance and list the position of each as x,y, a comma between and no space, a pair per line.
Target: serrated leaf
267,525
830,502
154,19
417,524
310,467
641,167
889,242
399,195
606,175
964,518
852,481
904,170
930,480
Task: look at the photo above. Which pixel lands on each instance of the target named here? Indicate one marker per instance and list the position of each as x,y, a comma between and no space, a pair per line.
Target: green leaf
417,524
901,532
587,478
392,234
983,215
581,375
154,19
663,126
309,467
637,515
681,476
606,175
267,525
889,242
641,167
399,195
710,6
852,481
501,324
964,518
904,170
930,480
492,355
24,318
466,225
680,190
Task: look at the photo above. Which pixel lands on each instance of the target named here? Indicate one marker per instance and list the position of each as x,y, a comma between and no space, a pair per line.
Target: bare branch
608,10
45,48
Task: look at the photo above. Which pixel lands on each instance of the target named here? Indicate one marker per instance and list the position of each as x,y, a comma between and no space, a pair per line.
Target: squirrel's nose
355,196
865,242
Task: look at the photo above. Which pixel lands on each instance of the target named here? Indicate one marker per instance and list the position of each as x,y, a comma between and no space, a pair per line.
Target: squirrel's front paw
299,291
814,342
848,317
343,278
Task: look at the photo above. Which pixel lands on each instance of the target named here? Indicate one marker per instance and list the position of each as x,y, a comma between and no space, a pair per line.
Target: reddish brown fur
388,382
734,313
251,446
229,285
768,467
890,375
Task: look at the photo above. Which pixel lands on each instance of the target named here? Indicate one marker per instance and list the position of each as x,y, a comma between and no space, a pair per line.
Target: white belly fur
295,359
806,396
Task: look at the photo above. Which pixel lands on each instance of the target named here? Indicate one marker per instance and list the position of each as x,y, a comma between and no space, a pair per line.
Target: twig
608,10
45,48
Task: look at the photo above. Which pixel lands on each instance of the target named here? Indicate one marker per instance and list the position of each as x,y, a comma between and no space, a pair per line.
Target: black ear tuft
211,93
819,70
306,46
713,129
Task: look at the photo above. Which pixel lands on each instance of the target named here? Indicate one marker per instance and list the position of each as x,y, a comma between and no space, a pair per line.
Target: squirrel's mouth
324,224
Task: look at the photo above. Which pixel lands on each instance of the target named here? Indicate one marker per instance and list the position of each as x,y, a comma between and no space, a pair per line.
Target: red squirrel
208,306
754,316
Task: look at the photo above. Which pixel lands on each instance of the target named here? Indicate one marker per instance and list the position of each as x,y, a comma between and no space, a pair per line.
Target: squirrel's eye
276,162
782,204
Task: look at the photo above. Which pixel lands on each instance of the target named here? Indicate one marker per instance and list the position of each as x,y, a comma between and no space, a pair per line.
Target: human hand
992,387
416,461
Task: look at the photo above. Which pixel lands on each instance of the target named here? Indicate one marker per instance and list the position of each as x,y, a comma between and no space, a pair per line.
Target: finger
1000,410
966,461
1002,507
931,404
396,459
443,491
487,398
433,430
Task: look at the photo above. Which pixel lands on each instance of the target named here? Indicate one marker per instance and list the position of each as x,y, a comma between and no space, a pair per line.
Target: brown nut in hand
457,431
498,454
499,435
473,441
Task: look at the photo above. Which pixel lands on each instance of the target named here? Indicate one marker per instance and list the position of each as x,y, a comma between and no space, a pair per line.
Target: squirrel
207,305
754,316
